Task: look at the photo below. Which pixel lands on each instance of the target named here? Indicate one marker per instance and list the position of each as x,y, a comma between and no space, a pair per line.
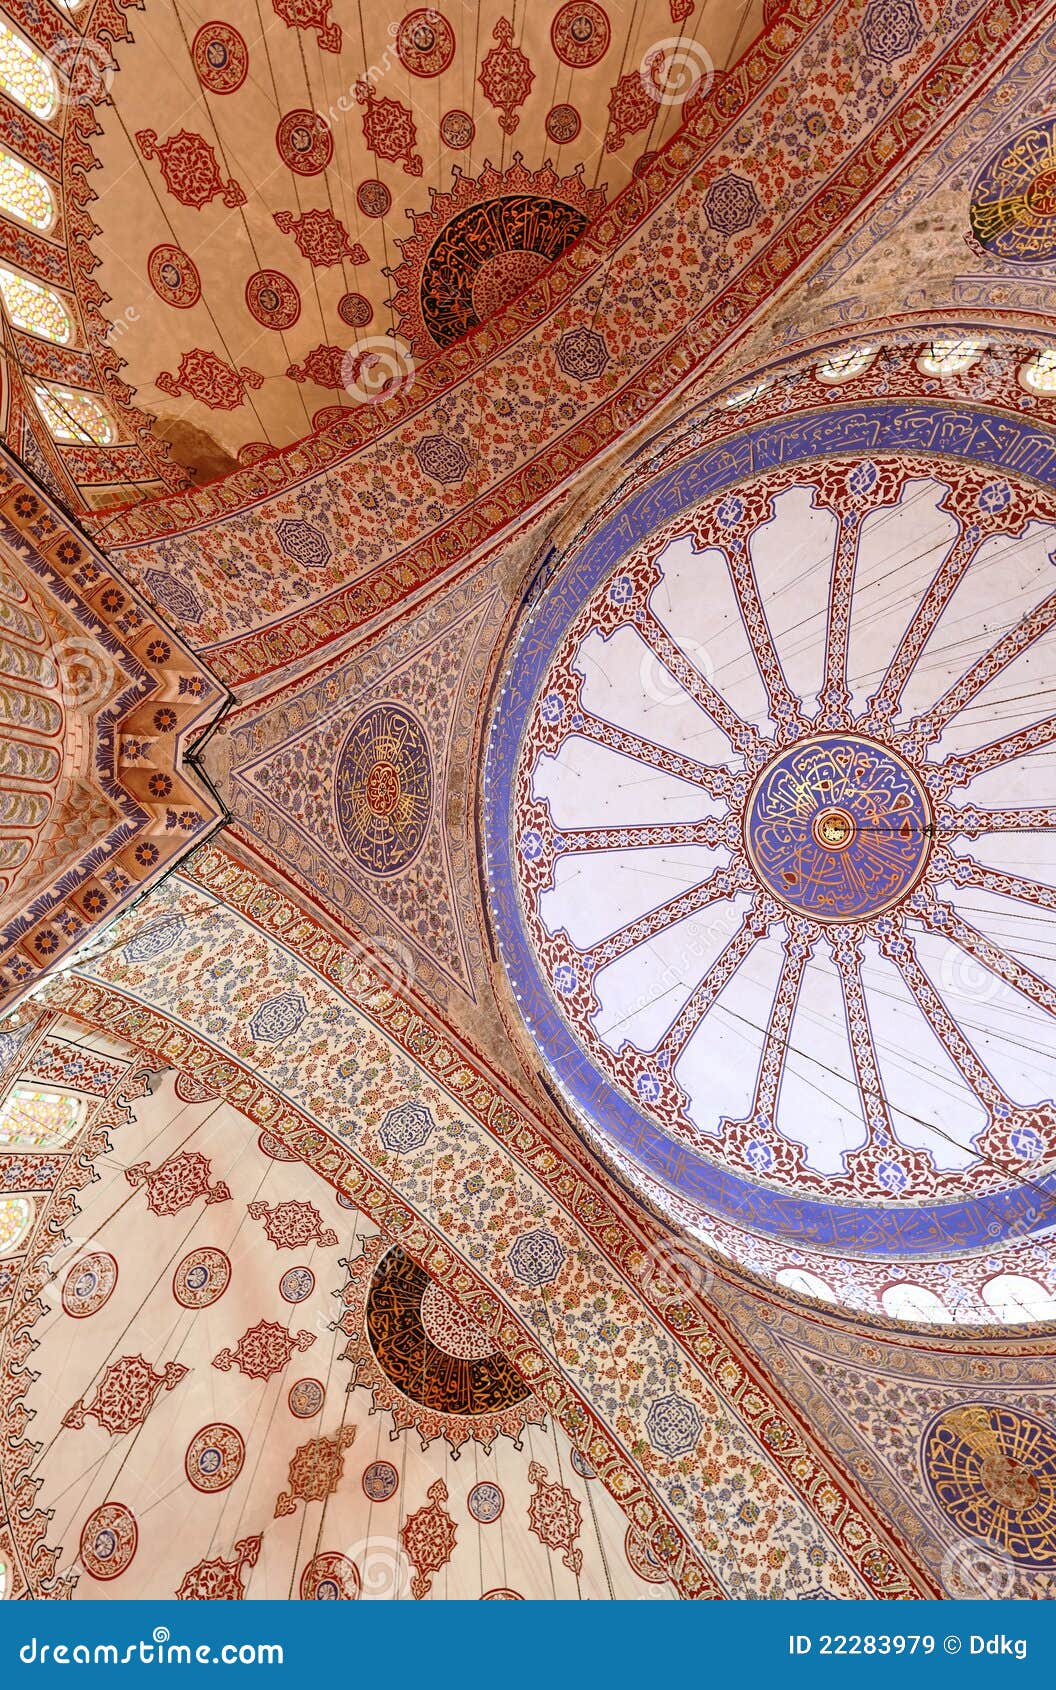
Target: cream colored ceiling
157,88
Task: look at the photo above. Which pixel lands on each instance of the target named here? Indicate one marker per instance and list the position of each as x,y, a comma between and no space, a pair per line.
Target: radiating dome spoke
721,972
962,554
977,1077
965,871
741,734
717,783
973,820
797,953
723,884
944,919
784,705
929,724
961,767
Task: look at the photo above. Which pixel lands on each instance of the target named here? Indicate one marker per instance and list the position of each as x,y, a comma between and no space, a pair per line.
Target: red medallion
174,277
425,42
305,142
108,1540
580,34
272,299
220,58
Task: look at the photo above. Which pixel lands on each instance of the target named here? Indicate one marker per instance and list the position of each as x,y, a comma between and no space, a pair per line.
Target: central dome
770,844
838,828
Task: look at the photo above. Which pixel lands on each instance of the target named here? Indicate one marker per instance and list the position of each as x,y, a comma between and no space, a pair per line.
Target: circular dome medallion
305,1398
383,789
214,1457
457,130
305,142
992,1470
108,1541
1013,203
425,42
838,829
174,277
580,34
355,309
220,58
272,299
201,1278
89,1284
760,857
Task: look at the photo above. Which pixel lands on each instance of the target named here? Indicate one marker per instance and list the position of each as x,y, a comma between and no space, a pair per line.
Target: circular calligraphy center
1008,1483
1041,195
502,277
838,828
450,1328
834,829
382,789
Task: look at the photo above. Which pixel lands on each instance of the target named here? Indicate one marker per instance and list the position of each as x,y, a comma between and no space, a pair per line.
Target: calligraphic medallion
992,1470
1013,203
838,829
383,789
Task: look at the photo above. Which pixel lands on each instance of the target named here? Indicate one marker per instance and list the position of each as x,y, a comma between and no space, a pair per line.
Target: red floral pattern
506,76
389,129
125,1394
315,1471
291,1225
321,238
178,1182
188,164
262,1350
221,1581
205,377
310,14
555,1517
428,1538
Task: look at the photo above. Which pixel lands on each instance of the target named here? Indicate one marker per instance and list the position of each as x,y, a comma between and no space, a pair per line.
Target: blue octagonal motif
673,1425
406,1128
278,1018
537,1258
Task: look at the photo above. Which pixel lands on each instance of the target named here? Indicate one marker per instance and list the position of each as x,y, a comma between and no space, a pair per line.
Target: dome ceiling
279,191
770,834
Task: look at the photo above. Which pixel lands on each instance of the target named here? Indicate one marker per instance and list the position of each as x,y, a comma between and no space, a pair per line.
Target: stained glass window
24,193
26,75
948,355
916,1303
74,418
745,395
1015,1299
806,1284
16,1218
38,1120
35,308
1039,373
844,366
3,1580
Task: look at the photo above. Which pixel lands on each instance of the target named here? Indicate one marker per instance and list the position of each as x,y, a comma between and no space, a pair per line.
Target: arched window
916,1303
39,1120
26,75
845,365
35,308
947,355
1017,1300
805,1284
745,395
16,1218
73,418
24,193
1038,374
